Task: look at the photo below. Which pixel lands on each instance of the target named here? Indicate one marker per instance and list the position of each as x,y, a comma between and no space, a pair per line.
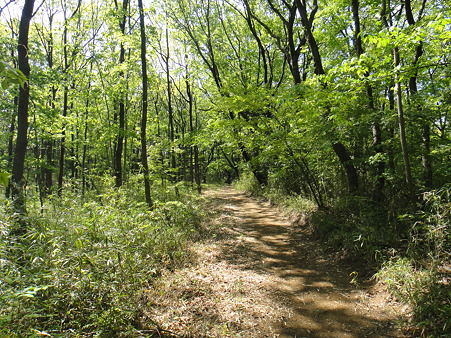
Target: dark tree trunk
170,111
338,147
62,144
144,106
306,21
119,150
194,160
378,194
351,173
413,87
62,157
12,128
18,179
402,128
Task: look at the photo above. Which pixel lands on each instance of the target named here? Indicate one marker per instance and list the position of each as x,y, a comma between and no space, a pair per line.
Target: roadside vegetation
84,264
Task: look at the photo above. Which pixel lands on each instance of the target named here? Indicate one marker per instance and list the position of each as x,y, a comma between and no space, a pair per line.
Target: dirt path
260,276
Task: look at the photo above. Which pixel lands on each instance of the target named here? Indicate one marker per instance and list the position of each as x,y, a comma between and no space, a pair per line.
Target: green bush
249,184
423,290
421,278
84,265
358,227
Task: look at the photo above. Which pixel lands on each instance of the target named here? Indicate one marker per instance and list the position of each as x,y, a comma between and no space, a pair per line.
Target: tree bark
170,111
144,162
338,147
402,128
345,159
118,171
413,87
12,128
18,179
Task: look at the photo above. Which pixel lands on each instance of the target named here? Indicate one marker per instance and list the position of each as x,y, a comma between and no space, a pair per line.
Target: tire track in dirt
260,276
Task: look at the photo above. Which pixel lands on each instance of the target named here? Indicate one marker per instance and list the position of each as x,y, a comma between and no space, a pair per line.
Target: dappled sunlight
258,276
318,290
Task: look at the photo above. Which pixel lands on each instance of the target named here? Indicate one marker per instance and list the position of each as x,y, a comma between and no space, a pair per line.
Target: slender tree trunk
402,127
18,179
144,106
12,128
194,158
62,143
118,170
338,147
48,148
391,131
378,194
425,128
47,169
62,157
170,109
308,31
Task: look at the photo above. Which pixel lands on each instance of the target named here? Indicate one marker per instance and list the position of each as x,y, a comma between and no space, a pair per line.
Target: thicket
83,266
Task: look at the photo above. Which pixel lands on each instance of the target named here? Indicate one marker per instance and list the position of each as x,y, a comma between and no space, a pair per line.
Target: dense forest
116,114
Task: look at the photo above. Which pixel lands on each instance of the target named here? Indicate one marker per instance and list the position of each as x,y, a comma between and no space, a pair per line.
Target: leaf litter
257,275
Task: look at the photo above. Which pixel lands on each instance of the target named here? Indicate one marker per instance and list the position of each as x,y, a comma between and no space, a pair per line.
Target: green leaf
4,178
5,84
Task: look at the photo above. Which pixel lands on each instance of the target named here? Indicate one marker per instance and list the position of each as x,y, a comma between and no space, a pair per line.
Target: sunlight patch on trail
256,275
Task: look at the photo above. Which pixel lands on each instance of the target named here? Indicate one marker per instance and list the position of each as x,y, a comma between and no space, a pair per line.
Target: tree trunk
144,106
170,111
62,157
194,159
402,128
338,147
12,128
63,143
18,179
351,173
425,129
378,194
118,171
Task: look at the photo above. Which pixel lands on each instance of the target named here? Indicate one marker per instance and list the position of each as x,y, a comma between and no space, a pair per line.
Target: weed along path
257,275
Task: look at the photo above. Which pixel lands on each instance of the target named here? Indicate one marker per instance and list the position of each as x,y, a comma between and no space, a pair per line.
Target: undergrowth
84,263
421,276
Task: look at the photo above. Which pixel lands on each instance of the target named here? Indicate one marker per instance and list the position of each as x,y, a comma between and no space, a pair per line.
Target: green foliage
4,178
249,184
83,267
10,76
421,278
421,288
431,235
353,225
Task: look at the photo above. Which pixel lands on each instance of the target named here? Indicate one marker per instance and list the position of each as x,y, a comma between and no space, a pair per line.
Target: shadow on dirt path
263,277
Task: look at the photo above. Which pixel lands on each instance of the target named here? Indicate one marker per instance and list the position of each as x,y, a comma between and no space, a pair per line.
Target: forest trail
260,276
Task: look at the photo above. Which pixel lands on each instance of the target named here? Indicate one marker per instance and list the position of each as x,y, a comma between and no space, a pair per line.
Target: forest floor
258,275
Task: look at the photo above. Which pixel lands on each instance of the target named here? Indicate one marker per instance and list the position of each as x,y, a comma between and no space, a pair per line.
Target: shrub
249,184
85,263
422,278
423,291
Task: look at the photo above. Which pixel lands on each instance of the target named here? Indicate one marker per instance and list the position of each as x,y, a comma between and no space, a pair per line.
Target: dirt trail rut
260,276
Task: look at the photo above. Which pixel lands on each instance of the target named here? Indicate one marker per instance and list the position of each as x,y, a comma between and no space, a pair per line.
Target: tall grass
421,277
84,264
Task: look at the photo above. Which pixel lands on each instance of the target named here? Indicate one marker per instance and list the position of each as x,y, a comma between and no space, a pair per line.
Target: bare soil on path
258,275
